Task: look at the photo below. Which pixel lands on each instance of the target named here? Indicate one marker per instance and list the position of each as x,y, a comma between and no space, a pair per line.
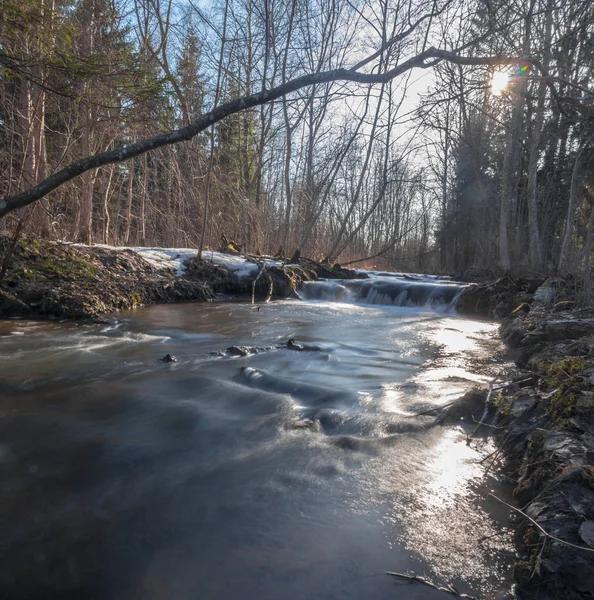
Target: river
277,475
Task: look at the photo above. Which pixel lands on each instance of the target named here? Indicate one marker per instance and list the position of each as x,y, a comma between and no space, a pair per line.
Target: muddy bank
544,424
55,280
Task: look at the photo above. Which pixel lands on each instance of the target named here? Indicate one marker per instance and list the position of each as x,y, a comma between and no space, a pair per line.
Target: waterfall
385,291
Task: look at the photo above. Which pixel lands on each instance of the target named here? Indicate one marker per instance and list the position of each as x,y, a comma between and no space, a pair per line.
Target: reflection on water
304,475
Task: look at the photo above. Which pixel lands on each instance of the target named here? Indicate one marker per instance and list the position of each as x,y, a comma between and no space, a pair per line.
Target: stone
564,305
562,329
168,358
545,294
238,351
521,405
292,345
464,408
535,509
564,446
586,532
585,401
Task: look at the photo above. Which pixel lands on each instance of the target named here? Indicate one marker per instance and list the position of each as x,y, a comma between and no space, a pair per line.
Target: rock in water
168,358
239,351
292,345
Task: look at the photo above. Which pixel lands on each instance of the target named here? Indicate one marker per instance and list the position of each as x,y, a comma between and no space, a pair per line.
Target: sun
499,82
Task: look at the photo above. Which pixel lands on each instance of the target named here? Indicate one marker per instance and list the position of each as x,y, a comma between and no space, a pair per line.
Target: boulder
545,293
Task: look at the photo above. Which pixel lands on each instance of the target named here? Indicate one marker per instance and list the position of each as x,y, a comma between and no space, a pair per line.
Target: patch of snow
239,265
175,258
235,263
166,258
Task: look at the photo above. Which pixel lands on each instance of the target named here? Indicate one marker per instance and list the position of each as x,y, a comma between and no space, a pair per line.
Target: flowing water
277,475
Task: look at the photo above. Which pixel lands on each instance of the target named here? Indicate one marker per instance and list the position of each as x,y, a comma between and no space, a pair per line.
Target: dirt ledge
56,280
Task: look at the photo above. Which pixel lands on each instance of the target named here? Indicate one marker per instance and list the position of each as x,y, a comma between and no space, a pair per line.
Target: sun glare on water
499,82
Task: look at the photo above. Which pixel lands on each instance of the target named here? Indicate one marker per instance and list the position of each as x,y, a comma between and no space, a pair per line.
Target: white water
385,291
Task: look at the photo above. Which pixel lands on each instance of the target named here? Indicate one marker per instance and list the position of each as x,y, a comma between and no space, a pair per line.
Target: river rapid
277,475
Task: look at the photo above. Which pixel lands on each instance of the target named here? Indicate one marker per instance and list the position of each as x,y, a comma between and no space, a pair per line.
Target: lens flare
499,82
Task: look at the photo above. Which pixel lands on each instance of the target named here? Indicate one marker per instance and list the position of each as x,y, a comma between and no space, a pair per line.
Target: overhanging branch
186,133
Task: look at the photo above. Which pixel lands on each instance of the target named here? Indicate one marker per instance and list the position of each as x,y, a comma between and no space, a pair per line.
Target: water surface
304,475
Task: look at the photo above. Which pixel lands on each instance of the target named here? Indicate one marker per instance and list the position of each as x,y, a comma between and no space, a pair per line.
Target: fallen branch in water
543,531
430,410
450,589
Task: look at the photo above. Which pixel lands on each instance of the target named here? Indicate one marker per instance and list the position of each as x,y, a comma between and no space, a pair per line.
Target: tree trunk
141,233
586,260
129,207
27,138
533,156
570,218
88,182
444,192
106,218
533,151
212,132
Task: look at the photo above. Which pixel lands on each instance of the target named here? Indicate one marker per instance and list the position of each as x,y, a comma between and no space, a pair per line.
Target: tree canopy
385,129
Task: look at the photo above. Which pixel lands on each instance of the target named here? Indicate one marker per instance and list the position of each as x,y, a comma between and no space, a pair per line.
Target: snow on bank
166,258
175,258
239,265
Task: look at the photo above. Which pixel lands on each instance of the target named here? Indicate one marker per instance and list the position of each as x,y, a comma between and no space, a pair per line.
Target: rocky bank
544,424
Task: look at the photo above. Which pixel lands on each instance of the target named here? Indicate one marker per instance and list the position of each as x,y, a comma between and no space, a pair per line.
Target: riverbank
58,280
543,421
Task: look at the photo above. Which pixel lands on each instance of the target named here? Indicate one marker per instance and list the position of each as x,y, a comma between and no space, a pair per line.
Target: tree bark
569,221
533,151
129,206
88,187
212,121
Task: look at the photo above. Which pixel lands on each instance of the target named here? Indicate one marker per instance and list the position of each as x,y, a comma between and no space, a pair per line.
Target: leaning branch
186,133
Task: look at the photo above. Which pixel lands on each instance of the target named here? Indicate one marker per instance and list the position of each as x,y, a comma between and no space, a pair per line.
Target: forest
434,135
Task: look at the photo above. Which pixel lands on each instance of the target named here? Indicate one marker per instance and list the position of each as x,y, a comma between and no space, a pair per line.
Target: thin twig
485,411
543,531
435,408
486,425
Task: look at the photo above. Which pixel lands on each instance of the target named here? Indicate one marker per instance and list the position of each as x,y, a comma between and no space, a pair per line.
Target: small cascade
330,291
381,291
